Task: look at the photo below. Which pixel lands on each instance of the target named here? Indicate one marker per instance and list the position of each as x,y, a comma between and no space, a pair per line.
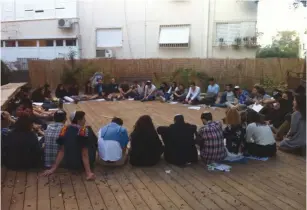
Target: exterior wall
140,22
231,11
16,25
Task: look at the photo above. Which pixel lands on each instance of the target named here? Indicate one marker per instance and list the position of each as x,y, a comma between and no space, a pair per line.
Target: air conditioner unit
105,53
64,23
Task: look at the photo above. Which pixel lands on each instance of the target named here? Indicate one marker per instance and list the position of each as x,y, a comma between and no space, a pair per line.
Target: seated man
52,134
125,91
228,97
193,96
243,98
112,143
100,90
212,93
150,92
179,142
112,90
78,146
211,140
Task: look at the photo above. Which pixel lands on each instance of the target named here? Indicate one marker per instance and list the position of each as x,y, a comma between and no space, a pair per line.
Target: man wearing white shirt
150,92
193,96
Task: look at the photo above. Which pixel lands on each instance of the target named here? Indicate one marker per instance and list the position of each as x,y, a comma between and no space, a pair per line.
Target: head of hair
59,116
254,117
79,115
179,119
300,90
24,123
174,84
144,125
118,121
261,91
26,103
192,83
301,105
206,116
211,79
233,117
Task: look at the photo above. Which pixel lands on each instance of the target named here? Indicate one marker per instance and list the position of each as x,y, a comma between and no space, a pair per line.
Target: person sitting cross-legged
193,96
126,91
150,92
260,141
227,98
179,142
51,136
146,146
21,146
113,90
180,94
112,143
78,146
211,140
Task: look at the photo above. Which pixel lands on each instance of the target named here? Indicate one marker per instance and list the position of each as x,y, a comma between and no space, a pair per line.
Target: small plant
253,42
237,43
222,42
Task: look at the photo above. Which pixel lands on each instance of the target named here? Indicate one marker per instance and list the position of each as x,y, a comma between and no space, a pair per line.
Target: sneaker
162,99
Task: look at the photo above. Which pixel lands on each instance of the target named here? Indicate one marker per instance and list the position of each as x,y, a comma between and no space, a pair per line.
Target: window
10,43
39,11
109,37
100,53
59,43
2,43
46,43
27,43
228,32
174,36
71,42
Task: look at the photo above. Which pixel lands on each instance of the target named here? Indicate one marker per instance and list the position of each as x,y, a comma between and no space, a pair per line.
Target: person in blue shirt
213,88
242,96
112,143
100,90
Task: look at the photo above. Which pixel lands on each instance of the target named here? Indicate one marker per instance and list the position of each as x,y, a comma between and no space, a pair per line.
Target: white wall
140,21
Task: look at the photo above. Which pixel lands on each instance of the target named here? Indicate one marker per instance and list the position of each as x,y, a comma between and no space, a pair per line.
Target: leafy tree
285,45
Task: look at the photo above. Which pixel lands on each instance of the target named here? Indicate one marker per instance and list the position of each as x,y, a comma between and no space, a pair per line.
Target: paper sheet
173,102
130,99
257,107
53,109
258,158
37,104
194,107
101,99
218,166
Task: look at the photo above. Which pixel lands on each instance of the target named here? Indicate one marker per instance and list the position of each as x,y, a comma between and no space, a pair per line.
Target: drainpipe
208,27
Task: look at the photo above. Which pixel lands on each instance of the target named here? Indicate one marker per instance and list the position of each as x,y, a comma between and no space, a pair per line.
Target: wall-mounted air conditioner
64,23
105,53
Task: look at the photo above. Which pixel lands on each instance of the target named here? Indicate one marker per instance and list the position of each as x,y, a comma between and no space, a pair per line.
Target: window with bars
174,36
226,33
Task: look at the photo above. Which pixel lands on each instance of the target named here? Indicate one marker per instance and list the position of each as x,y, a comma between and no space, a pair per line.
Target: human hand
190,102
48,172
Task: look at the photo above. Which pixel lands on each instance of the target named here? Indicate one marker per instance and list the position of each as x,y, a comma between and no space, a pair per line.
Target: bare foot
90,177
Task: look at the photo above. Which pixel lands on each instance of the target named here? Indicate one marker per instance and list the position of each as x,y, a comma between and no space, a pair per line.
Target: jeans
167,96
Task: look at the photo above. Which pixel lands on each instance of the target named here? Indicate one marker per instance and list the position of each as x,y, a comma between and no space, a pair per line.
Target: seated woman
88,90
38,95
296,137
146,146
234,133
260,141
211,140
112,143
60,91
180,94
22,147
179,141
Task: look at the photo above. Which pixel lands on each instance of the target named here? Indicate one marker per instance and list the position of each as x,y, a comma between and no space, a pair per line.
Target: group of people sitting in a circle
34,137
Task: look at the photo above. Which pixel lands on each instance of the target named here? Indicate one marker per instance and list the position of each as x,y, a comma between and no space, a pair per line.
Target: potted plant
246,41
237,43
222,42
253,42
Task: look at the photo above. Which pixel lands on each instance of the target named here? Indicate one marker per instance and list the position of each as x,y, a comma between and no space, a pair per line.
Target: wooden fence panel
245,72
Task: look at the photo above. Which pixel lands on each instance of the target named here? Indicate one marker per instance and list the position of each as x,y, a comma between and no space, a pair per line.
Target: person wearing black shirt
126,91
60,91
22,147
38,95
146,146
179,141
78,145
73,90
112,90
47,92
